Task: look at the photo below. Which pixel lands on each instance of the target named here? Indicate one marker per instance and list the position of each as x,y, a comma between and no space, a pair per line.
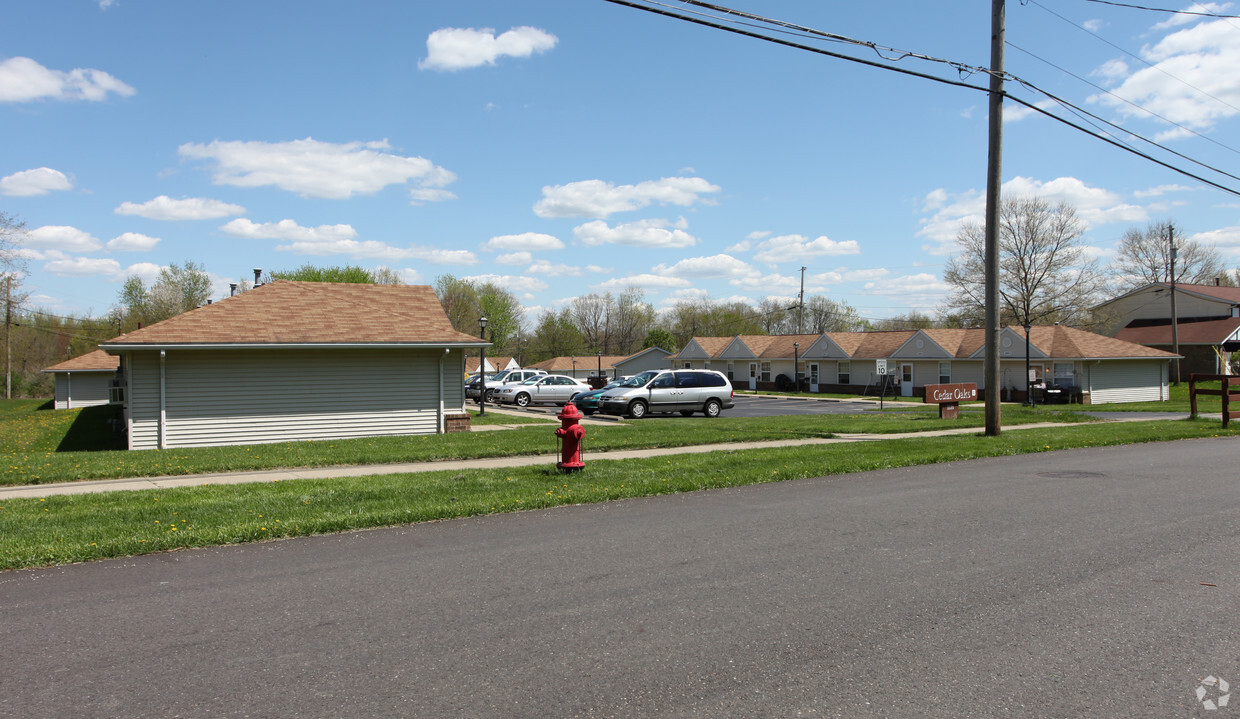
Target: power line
1159,9
1098,135
1132,55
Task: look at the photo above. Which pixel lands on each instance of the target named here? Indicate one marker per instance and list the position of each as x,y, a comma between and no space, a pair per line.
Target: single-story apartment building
84,381
295,361
494,364
587,365
1100,369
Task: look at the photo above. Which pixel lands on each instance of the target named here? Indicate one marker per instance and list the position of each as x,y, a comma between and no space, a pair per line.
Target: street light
482,367
796,358
1028,377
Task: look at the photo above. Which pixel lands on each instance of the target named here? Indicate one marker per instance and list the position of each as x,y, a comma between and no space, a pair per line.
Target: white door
753,375
813,376
906,380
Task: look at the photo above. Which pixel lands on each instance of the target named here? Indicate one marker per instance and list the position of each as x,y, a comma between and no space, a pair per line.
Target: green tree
466,301
349,274
556,335
660,337
177,289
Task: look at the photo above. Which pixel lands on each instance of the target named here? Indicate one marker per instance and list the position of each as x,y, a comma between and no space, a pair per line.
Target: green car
587,402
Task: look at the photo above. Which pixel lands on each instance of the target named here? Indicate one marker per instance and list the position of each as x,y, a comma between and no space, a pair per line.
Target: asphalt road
1085,583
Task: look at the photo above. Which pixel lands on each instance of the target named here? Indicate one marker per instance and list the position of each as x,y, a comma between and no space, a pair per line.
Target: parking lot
760,406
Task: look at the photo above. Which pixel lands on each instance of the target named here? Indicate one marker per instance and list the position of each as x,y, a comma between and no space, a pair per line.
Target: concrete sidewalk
279,475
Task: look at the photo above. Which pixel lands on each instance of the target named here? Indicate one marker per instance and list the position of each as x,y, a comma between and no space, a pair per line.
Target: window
766,372
688,379
945,373
731,370
713,380
688,365
1065,374
813,373
845,372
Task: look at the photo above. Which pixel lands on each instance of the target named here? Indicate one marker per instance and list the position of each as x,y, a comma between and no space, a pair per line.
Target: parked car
543,389
685,391
587,402
473,390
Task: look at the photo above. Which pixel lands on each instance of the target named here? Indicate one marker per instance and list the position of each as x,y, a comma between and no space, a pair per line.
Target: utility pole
994,180
8,334
1175,325
801,304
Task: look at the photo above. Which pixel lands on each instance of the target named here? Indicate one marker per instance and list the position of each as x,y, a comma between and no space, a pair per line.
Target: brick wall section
456,422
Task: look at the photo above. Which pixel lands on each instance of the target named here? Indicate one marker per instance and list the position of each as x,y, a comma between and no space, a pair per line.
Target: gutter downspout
68,390
163,400
439,420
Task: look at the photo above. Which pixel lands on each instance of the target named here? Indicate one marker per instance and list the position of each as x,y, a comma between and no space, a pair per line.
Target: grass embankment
74,528
42,446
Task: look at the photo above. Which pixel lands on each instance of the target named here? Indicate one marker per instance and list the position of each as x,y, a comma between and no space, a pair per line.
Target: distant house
494,364
1207,327
84,381
295,361
638,362
579,366
1100,369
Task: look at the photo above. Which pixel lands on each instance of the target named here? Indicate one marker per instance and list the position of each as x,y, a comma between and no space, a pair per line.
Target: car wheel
522,400
686,412
712,408
637,409
491,396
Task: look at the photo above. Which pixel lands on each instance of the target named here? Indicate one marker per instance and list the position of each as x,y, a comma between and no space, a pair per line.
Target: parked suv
474,389
684,390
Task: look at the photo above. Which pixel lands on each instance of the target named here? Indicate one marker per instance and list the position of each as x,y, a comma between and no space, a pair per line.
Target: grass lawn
39,445
57,530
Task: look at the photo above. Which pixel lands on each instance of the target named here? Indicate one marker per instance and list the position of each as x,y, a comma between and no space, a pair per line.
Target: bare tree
1144,257
1045,274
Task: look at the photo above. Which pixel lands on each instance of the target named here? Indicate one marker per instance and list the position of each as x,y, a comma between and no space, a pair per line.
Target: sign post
949,396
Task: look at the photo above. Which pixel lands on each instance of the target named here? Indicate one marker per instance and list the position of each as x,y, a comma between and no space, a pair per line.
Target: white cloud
1190,69
516,283
83,267
598,199
1092,25
454,48
645,281
542,267
643,233
32,183
62,237
189,208
1161,190
1094,206
797,248
1179,19
288,231
922,285
1226,239
713,267
24,80
514,258
317,169
527,241
132,242
148,271
767,284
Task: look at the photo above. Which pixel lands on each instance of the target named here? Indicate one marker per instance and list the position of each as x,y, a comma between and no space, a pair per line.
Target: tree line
1046,275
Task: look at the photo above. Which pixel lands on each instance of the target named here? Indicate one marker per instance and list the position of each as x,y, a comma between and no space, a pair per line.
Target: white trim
303,346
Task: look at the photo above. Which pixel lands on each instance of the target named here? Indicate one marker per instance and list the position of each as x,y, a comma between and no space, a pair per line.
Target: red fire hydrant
570,435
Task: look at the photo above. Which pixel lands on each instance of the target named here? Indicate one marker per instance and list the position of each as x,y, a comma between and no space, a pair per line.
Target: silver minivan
684,390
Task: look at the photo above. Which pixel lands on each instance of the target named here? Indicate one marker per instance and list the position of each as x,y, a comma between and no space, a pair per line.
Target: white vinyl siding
219,398
82,389
1135,381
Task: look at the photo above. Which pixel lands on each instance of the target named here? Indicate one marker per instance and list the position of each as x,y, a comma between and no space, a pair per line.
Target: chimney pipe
258,273
232,289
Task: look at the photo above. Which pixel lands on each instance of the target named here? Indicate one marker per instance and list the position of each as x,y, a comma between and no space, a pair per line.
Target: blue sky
563,147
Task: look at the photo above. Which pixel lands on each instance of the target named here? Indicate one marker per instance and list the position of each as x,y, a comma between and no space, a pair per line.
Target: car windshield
499,376
532,380
639,380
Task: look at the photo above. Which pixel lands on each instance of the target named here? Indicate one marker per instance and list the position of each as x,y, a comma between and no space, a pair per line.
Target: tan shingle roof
1068,342
97,361
294,313
583,362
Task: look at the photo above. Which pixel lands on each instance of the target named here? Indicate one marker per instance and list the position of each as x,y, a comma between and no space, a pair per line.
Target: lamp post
1028,377
482,367
600,362
796,361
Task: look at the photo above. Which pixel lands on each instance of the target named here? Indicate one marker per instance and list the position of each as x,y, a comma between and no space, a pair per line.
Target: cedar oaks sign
949,396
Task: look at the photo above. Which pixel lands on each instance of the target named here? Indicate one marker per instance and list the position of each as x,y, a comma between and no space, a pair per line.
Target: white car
546,389
473,387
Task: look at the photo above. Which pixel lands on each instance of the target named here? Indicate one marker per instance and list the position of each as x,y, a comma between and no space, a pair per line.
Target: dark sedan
587,402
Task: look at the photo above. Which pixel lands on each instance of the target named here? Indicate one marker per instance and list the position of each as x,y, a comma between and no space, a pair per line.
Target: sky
565,147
